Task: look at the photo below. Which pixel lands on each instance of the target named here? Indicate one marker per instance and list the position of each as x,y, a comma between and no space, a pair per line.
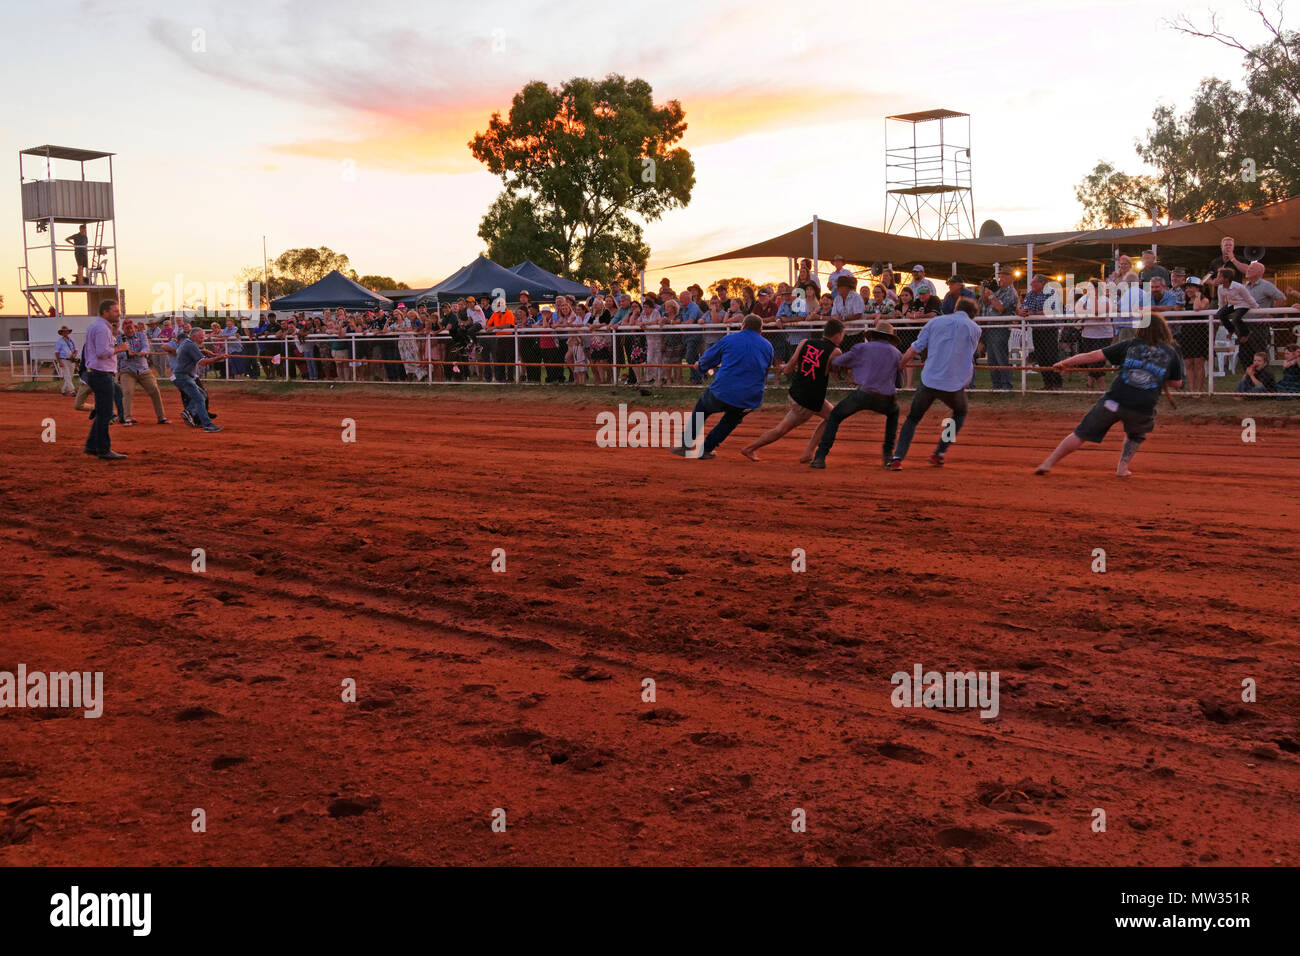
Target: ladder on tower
34,304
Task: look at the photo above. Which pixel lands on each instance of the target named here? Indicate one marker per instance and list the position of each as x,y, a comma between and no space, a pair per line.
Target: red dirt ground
522,690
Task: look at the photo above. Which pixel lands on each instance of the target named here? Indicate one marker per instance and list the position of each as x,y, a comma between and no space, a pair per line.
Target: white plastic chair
1225,352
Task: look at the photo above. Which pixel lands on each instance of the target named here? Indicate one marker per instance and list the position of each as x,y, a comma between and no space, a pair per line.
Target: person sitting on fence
1235,301
1257,380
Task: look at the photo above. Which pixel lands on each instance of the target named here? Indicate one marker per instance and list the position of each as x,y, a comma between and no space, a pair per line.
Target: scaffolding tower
56,193
928,175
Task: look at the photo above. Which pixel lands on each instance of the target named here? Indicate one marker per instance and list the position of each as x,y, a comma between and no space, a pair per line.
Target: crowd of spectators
659,335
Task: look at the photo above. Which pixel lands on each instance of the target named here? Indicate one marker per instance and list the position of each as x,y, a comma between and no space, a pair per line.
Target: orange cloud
435,140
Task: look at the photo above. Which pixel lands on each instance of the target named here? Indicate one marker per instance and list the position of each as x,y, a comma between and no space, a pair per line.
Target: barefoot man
1146,364
809,369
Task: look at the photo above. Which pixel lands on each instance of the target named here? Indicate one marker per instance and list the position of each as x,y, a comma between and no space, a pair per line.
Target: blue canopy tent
481,278
332,292
551,284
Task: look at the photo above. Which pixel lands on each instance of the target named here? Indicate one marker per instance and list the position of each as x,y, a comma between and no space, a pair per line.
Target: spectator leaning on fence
1268,296
1047,348
1193,337
999,304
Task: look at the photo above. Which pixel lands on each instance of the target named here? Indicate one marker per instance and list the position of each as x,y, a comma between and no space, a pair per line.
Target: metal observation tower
60,194
928,175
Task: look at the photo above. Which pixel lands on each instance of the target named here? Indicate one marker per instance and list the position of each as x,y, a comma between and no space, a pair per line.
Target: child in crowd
1235,301
576,361
1290,384
1258,380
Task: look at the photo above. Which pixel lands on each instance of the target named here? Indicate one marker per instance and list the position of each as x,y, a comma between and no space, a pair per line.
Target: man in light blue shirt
742,360
691,314
949,343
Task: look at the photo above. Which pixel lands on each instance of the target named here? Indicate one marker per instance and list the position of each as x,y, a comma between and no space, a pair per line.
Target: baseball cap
918,268
1193,280
954,280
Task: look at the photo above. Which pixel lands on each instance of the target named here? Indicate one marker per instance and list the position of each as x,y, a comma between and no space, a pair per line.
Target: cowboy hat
883,330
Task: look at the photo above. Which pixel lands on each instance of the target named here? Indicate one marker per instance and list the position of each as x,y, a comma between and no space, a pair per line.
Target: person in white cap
919,281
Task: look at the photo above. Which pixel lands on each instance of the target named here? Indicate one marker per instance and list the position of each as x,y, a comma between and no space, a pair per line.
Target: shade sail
332,292
1275,225
549,284
865,246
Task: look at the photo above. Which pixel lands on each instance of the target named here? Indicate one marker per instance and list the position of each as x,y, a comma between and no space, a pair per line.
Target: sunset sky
345,125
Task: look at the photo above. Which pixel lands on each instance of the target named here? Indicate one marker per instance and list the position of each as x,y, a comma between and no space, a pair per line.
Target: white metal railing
518,356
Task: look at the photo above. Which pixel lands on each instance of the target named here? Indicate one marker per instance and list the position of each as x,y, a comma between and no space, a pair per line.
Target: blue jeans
194,403
921,402
997,344
103,386
693,343
710,404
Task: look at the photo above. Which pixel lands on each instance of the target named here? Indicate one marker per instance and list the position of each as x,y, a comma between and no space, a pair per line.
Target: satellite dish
990,229
1253,252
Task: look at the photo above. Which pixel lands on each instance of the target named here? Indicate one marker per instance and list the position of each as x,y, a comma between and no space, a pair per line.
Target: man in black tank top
809,370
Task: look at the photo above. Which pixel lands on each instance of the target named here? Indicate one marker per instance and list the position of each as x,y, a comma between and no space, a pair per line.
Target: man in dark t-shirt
1145,365
809,370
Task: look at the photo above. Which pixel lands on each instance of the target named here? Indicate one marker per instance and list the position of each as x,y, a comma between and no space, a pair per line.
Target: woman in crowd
341,348
674,348
600,353
880,304
552,368
716,316
407,347
1092,318
909,329
747,299
805,278
634,351
652,322
1193,337
889,283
